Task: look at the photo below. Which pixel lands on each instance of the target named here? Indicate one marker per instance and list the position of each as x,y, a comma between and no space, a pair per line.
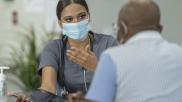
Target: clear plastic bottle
3,85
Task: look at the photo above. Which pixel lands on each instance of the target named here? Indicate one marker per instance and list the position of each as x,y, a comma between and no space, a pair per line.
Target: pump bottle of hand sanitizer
3,86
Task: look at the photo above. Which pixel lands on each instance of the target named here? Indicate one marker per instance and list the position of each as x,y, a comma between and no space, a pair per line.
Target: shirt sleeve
103,87
49,57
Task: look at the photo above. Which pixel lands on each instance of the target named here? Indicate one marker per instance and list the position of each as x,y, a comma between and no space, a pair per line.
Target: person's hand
19,98
76,97
86,58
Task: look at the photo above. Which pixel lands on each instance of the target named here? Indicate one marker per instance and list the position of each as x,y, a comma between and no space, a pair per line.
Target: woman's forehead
73,10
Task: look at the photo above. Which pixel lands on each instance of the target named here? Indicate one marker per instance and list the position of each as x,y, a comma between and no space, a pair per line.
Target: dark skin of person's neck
130,34
133,32
78,44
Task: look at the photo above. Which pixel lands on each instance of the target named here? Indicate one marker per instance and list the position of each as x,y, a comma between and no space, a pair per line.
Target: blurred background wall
41,14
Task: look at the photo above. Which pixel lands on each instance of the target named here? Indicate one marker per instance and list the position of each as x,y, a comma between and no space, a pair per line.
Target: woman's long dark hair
63,3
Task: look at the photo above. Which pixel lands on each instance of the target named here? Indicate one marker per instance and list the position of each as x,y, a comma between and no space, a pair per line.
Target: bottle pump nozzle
2,69
3,87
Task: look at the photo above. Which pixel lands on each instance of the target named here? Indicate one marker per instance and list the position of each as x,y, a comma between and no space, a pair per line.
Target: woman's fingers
87,48
25,99
77,60
70,98
76,97
19,99
77,54
85,57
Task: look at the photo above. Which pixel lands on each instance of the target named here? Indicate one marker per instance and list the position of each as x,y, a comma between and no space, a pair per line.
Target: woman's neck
78,44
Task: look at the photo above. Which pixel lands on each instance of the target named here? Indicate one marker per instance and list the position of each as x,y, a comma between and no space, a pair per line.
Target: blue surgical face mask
77,31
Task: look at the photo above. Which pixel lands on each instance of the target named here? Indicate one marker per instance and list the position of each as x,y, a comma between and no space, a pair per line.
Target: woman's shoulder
55,42
103,38
53,45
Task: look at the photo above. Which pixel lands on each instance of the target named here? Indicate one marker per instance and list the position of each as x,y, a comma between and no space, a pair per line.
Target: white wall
9,33
171,19
103,15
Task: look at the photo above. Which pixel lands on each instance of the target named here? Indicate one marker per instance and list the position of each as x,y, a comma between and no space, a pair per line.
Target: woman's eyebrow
67,17
82,13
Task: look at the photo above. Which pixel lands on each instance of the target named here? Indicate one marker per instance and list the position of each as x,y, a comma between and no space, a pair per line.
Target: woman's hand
77,97
86,58
19,98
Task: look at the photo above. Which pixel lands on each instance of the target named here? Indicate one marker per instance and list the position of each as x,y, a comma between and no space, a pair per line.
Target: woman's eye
82,17
68,19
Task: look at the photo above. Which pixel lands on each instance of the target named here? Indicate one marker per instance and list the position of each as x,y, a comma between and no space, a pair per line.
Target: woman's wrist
45,90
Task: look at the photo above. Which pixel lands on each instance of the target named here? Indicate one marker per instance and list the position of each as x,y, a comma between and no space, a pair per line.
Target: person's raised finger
87,48
25,99
19,99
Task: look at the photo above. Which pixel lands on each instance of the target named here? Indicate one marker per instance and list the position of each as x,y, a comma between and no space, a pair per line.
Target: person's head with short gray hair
137,16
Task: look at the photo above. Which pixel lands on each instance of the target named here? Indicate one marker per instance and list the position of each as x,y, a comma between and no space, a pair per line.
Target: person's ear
161,28
122,32
60,23
125,28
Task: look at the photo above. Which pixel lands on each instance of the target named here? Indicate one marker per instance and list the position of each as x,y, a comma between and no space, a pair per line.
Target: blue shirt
103,88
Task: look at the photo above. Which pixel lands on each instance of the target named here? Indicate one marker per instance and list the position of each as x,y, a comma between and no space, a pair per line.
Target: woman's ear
60,23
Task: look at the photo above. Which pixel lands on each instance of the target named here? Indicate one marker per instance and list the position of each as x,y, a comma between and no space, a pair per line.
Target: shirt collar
150,34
